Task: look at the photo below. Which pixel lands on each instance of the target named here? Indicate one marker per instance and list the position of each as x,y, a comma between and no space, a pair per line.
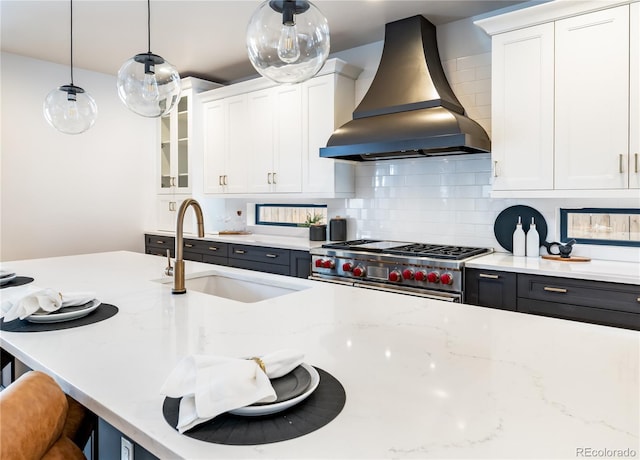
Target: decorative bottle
533,240
519,239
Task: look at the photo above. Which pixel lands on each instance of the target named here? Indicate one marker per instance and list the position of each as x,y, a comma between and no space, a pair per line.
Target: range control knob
328,263
395,276
358,271
407,274
433,277
420,275
319,263
446,278
347,266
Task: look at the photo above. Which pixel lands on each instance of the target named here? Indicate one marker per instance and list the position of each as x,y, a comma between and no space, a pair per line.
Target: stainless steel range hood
410,110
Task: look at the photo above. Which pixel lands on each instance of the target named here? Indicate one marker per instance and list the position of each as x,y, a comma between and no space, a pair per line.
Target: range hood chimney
410,110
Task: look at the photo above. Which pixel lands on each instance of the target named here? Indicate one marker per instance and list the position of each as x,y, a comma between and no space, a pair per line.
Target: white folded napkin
212,385
26,300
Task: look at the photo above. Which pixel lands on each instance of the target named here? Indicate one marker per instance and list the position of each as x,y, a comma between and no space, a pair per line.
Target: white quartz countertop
595,270
253,239
423,378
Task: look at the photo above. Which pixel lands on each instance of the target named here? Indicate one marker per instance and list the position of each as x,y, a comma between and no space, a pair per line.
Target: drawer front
218,260
207,248
259,266
596,294
167,242
158,245
273,256
578,313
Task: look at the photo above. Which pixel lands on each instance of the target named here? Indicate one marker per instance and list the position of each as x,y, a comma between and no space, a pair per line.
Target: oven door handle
447,297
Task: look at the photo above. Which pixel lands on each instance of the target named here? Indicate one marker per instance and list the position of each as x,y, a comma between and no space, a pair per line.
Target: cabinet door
165,163
592,100
634,99
237,134
173,164
261,140
490,288
319,124
287,159
522,109
215,150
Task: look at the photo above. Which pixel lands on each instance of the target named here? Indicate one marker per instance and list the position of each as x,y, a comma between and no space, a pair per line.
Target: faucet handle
169,269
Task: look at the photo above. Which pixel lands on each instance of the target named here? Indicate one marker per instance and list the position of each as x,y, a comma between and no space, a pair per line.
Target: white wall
69,194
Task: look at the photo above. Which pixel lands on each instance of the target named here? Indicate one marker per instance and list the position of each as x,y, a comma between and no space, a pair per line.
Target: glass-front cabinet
174,149
178,138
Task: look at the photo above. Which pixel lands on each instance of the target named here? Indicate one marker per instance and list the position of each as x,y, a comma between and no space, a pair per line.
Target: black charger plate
506,221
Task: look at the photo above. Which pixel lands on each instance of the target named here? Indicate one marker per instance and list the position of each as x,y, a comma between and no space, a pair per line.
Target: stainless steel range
426,270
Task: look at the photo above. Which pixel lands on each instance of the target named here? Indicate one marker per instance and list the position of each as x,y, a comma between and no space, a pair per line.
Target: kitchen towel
212,385
24,301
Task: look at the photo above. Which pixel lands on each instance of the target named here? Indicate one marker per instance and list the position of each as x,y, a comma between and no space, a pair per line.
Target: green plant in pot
317,229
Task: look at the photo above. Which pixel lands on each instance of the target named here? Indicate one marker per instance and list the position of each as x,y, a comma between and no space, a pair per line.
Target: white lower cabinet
565,100
265,139
166,212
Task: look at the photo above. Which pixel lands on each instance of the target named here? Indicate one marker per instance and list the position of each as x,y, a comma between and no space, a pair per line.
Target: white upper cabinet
327,103
522,109
634,97
274,141
177,140
592,100
225,145
565,100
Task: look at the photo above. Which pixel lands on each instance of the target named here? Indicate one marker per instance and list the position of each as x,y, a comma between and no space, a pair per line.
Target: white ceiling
200,37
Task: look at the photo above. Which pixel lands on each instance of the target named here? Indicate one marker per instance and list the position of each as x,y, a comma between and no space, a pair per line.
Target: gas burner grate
348,244
437,251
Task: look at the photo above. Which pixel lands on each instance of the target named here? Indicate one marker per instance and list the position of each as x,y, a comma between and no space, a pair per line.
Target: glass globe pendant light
147,84
288,40
69,108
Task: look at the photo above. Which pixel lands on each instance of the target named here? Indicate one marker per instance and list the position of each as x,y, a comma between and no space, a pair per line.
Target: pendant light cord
149,25
71,45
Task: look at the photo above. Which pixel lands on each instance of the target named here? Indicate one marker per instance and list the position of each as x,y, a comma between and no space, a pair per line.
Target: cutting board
567,259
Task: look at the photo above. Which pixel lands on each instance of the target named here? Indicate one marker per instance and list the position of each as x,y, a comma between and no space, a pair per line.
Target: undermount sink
241,290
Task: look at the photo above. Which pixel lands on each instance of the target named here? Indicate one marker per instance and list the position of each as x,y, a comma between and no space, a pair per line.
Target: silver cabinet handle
187,245
225,180
269,178
495,168
220,180
172,205
159,242
491,277
638,300
172,181
635,156
552,289
238,251
273,256
213,248
621,163
274,178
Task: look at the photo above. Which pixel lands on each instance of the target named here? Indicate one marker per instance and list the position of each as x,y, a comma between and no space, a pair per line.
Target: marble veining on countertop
595,270
424,378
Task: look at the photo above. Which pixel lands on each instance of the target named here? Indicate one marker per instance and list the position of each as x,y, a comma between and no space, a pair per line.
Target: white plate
266,409
5,278
58,316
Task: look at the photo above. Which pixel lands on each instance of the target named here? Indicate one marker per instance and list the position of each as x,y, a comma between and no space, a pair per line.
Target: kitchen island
423,378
